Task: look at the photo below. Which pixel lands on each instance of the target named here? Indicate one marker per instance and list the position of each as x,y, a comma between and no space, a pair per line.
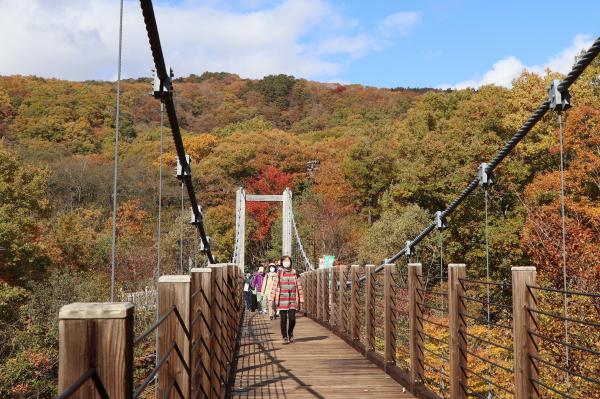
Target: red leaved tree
270,181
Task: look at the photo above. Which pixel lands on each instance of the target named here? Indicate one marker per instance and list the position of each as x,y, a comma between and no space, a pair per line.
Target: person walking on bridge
257,284
288,297
267,297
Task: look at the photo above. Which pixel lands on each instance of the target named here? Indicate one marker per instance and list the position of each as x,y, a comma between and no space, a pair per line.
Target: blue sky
451,43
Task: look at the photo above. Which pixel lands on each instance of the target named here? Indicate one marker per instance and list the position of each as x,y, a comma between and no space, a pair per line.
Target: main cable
165,79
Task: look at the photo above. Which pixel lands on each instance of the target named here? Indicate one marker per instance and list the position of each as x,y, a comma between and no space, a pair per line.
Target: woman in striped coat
288,297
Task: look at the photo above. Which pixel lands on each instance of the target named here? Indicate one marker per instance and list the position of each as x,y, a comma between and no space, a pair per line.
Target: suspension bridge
382,330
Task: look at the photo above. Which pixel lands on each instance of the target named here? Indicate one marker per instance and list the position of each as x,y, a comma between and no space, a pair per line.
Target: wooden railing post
325,295
369,308
174,291
415,325
303,280
319,294
457,343
311,293
219,359
333,316
389,326
99,336
316,281
524,345
201,332
231,325
342,299
354,326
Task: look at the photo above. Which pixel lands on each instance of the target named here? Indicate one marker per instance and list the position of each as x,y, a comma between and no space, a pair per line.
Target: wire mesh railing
362,292
432,301
89,375
140,386
567,365
378,312
488,335
400,282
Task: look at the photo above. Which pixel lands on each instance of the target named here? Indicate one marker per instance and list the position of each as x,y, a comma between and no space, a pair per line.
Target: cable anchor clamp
485,177
196,217
162,88
559,100
440,221
408,250
182,171
204,248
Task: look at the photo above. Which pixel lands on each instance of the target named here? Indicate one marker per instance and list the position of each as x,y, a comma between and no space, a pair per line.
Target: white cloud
399,23
78,40
504,71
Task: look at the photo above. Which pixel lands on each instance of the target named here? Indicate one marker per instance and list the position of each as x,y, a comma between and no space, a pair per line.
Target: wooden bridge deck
318,365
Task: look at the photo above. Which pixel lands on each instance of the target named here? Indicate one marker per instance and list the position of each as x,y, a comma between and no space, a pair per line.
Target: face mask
287,264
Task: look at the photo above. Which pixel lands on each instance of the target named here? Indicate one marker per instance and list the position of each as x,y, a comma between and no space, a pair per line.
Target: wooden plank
369,308
457,344
97,335
201,332
263,198
389,314
318,365
525,368
415,315
174,290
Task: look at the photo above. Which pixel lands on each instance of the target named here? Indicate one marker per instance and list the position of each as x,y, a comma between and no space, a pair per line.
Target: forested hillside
387,160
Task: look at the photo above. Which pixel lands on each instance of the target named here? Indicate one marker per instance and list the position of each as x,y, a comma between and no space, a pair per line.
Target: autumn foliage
383,161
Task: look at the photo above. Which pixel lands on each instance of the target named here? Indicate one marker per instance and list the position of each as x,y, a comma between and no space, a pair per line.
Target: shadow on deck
318,365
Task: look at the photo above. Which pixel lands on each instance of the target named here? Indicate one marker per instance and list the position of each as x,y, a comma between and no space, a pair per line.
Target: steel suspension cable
308,265
116,169
535,117
158,227
487,286
442,370
564,242
160,188
487,258
181,234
